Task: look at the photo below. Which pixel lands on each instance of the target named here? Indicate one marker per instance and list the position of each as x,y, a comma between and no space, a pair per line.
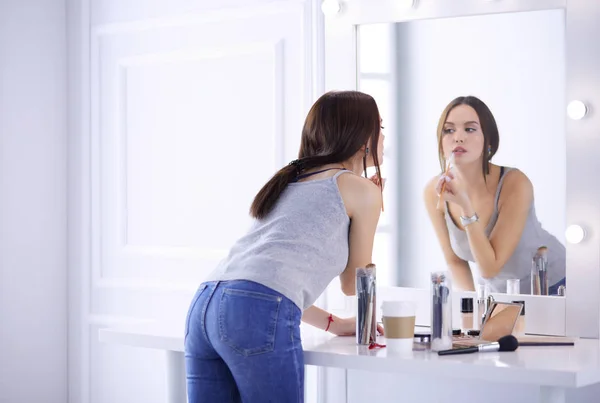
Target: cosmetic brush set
441,311
366,321
539,272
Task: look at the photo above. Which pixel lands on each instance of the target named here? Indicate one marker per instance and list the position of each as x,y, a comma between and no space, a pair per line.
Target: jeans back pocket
248,320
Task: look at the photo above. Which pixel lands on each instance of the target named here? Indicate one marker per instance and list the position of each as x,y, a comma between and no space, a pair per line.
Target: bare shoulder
359,193
517,181
517,187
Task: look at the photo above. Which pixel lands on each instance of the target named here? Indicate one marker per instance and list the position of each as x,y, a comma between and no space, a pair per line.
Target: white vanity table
553,370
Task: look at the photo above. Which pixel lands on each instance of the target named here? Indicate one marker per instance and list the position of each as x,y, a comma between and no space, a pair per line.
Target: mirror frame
582,316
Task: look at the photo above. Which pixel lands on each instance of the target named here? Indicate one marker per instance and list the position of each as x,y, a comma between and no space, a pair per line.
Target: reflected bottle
441,311
466,314
479,307
539,272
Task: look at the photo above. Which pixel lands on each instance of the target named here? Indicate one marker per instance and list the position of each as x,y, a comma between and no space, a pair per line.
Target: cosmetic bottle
519,329
479,307
539,272
466,314
484,298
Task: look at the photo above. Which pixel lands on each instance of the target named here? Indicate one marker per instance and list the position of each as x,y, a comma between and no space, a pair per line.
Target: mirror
500,320
515,64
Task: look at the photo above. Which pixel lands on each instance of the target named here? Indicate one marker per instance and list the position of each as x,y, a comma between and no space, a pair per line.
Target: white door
180,112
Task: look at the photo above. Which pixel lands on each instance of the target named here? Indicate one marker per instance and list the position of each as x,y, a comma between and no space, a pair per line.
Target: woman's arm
461,272
493,253
319,318
363,201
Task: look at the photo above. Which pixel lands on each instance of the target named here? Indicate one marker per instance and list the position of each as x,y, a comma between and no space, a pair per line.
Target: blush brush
448,167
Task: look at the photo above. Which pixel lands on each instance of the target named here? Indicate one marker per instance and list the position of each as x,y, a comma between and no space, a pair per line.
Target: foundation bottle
466,314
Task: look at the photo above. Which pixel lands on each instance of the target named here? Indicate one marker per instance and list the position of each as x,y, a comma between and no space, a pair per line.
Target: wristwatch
469,220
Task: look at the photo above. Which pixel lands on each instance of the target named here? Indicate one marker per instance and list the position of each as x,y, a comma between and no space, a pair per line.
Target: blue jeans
242,344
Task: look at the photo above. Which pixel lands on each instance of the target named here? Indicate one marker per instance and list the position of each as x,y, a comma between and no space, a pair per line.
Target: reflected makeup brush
448,166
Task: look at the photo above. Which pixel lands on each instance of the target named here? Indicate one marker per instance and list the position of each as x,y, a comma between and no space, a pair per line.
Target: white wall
520,74
33,273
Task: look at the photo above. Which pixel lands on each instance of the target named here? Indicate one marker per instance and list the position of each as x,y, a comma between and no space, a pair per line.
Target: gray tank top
299,247
519,264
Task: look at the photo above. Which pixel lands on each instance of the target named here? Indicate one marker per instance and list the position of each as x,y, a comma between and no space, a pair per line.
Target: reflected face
462,135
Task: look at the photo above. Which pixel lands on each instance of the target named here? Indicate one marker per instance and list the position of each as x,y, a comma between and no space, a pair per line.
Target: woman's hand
347,327
375,180
453,190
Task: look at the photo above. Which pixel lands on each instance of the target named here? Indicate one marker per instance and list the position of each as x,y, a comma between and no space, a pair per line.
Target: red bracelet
329,322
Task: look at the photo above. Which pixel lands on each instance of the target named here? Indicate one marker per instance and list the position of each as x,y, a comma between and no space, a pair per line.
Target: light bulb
576,110
574,234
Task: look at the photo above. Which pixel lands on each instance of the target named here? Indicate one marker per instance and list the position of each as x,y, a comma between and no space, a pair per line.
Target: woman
482,212
314,220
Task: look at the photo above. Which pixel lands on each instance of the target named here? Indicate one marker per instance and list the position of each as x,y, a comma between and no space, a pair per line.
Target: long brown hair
491,137
336,127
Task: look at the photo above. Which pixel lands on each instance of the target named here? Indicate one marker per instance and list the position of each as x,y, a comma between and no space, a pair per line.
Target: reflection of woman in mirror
487,212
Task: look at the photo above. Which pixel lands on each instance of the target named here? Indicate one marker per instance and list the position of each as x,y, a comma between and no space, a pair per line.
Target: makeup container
466,314
441,311
422,342
539,272
366,322
422,337
519,329
513,286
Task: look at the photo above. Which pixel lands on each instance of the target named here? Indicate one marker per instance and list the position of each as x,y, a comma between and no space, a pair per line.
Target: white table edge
535,377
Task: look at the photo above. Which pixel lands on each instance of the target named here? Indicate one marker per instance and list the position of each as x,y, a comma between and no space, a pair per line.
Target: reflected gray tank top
519,264
299,247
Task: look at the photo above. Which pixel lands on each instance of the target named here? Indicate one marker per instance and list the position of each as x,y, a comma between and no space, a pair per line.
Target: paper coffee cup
399,325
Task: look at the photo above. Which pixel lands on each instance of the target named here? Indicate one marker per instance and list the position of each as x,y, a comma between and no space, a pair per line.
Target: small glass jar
513,286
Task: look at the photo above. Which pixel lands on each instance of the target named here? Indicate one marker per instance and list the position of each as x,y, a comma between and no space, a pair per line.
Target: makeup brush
506,343
448,166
